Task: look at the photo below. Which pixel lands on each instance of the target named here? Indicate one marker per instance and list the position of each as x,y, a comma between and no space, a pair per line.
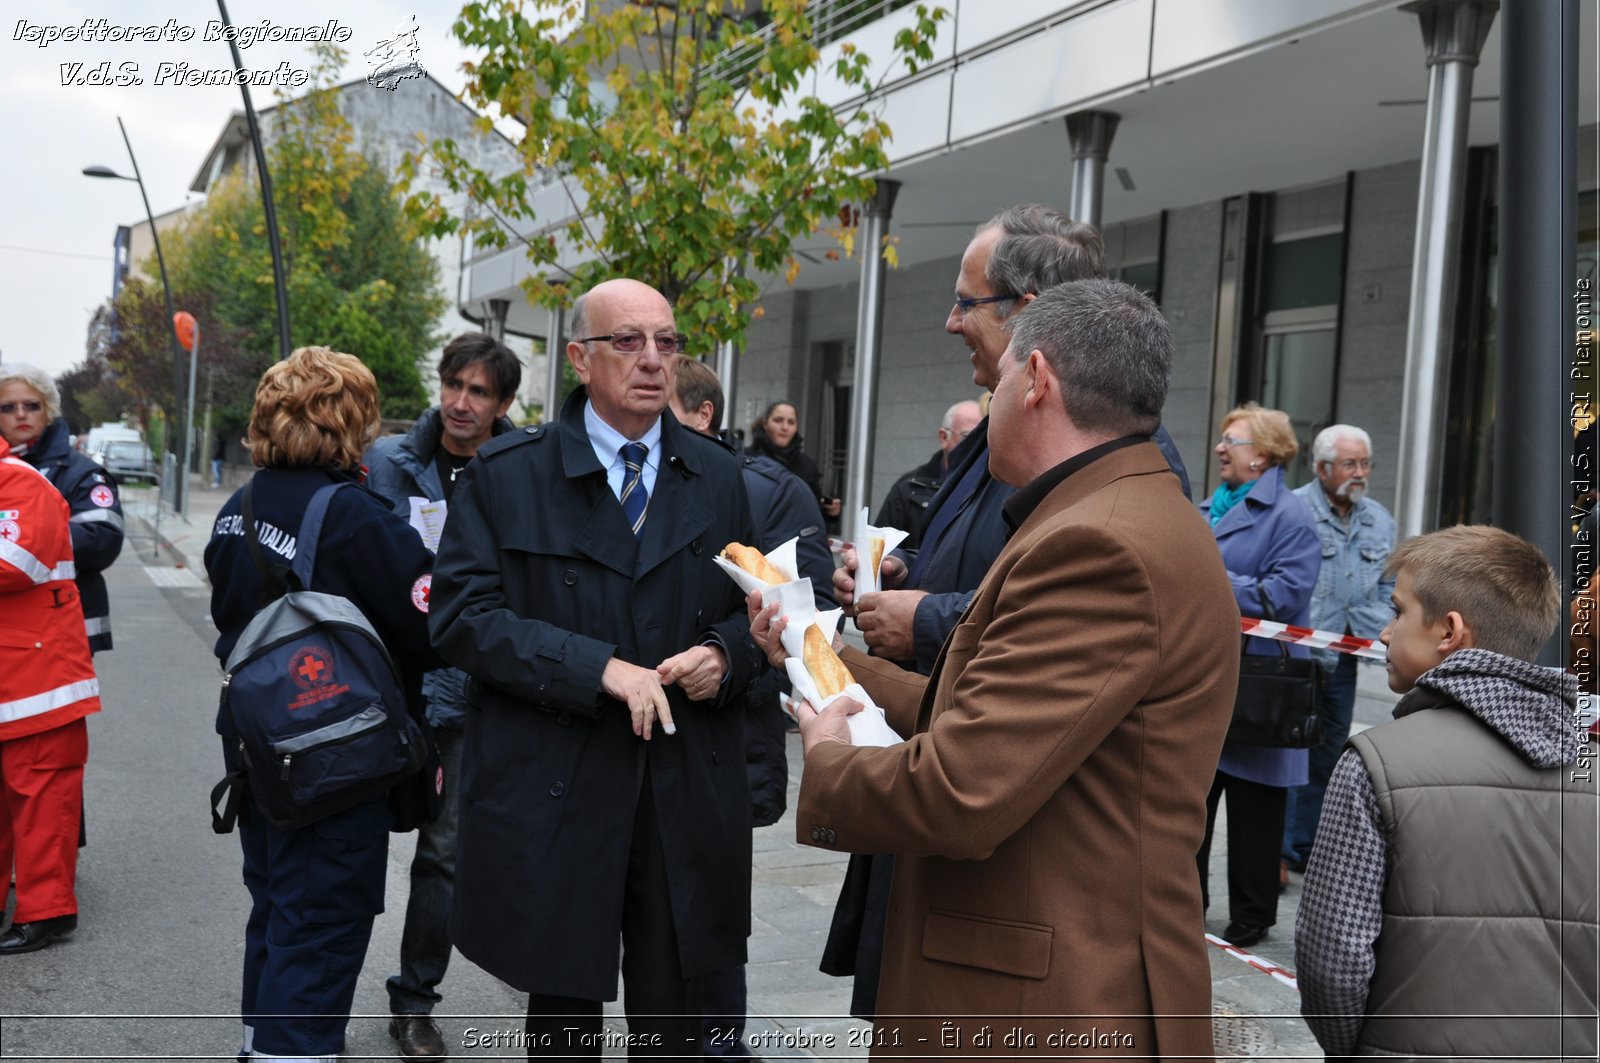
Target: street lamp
181,487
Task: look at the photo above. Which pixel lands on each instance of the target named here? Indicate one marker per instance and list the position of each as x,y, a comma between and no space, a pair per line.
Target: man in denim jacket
1352,598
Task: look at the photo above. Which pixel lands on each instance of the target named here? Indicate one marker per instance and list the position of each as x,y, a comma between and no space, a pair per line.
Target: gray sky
56,243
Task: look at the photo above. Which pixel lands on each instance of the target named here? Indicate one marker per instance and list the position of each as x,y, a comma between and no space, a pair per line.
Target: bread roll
754,562
827,671
877,553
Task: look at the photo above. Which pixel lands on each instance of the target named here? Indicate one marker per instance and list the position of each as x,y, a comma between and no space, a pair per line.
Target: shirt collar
1020,506
607,441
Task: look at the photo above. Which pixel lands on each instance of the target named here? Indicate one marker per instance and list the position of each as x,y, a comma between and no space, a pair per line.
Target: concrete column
1540,302
495,322
869,342
1091,133
1454,31
728,376
727,367
556,349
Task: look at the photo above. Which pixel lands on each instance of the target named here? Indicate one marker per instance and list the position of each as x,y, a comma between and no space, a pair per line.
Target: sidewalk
796,1011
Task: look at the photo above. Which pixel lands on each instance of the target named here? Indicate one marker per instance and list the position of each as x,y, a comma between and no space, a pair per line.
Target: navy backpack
315,704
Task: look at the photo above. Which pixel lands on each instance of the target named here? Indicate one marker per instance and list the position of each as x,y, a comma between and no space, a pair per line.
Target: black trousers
663,1007
1255,834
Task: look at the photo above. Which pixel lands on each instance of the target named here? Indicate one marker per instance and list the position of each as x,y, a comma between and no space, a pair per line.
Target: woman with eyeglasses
32,426
1270,548
776,434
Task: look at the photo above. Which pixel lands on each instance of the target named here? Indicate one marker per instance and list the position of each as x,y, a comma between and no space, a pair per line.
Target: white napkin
869,727
867,576
782,559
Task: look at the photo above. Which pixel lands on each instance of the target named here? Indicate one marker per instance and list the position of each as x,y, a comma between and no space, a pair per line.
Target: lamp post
180,488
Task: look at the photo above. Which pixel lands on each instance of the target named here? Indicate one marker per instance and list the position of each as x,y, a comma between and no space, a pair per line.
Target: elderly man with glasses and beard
1352,598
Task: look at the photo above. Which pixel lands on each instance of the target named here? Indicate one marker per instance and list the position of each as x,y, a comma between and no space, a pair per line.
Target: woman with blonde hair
315,890
1270,548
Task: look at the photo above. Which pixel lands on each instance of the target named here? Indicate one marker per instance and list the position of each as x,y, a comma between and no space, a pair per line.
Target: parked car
129,460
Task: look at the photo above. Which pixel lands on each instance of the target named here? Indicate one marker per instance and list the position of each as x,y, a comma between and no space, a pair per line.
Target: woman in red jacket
50,688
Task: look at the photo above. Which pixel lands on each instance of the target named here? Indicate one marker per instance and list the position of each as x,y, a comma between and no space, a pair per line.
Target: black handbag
1279,703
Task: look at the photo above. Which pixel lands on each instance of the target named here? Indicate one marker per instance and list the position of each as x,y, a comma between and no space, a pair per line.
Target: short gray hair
950,414
38,380
1039,248
580,322
1325,448
1109,346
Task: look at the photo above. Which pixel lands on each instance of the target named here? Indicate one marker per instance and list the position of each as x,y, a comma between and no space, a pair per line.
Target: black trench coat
538,583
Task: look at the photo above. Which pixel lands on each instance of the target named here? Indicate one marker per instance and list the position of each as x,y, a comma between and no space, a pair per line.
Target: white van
101,434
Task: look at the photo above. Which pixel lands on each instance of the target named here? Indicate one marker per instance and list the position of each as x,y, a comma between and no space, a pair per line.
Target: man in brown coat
1048,805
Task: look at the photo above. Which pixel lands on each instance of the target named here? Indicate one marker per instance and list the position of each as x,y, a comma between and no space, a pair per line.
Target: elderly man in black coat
604,792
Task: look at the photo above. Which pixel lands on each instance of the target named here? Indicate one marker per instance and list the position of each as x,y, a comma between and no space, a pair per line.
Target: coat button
557,790
570,578
831,838
695,548
714,759
816,834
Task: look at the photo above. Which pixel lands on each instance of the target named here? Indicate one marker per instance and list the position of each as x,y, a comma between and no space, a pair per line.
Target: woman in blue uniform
315,890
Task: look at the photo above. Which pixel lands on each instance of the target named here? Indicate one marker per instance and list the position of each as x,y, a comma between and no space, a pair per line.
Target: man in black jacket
903,506
478,378
604,793
783,508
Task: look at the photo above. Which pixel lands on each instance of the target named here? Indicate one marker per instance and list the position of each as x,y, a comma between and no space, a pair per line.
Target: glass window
1297,378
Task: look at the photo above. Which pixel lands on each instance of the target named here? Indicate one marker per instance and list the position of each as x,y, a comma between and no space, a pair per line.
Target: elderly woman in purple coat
1270,547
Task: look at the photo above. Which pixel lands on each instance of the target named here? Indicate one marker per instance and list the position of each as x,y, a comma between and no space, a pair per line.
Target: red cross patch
10,530
311,666
419,592
102,496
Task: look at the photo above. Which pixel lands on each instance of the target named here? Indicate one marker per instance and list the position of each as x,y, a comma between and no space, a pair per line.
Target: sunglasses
27,405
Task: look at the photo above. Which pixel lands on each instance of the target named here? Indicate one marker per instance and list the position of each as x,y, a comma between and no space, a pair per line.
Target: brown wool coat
1050,801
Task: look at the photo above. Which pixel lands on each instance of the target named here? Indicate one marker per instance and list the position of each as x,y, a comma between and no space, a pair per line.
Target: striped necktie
634,497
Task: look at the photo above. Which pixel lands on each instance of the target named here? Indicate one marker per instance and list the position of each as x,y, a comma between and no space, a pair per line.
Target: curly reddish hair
318,407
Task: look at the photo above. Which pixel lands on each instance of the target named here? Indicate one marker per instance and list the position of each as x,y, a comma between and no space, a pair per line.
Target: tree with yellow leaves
686,149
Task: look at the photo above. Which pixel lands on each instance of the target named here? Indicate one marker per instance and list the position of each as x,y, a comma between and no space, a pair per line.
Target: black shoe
31,937
1243,935
418,1035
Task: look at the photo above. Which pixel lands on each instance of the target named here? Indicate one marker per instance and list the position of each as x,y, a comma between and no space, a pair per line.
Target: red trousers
41,806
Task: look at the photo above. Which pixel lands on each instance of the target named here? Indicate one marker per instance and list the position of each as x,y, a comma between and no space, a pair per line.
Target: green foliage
359,276
681,138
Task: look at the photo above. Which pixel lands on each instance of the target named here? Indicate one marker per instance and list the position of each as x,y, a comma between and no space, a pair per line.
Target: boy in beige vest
1450,900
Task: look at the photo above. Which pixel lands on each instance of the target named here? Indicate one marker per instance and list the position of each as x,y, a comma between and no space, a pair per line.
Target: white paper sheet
428,518
869,727
868,577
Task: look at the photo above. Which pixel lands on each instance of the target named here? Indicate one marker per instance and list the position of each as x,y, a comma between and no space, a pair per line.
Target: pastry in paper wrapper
867,727
872,546
780,560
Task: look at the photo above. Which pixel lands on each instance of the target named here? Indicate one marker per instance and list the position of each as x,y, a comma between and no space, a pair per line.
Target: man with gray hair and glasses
1352,598
1012,258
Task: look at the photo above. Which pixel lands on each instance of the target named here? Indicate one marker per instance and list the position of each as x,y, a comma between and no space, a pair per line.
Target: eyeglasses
633,342
964,306
1352,465
1231,441
28,406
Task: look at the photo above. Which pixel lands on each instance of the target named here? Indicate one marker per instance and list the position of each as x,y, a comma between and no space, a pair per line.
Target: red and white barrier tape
1305,636
1281,974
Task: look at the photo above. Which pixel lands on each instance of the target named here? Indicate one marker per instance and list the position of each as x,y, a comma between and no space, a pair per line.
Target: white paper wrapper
782,559
867,576
868,727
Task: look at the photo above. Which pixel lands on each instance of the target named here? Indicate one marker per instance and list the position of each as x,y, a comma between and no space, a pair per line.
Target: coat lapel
675,517
603,535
